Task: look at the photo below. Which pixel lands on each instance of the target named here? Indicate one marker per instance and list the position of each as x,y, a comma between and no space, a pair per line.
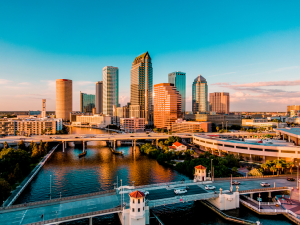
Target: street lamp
211,174
259,202
50,186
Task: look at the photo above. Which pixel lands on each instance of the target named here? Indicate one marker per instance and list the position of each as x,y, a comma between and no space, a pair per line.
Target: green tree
217,128
234,169
17,172
35,152
5,189
22,145
290,166
273,169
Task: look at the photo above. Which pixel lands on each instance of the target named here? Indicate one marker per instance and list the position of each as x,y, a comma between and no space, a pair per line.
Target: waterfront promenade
86,206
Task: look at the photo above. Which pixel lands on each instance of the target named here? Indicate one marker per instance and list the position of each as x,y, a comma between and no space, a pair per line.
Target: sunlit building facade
219,102
141,90
99,97
64,100
132,125
167,105
87,103
110,89
179,80
199,95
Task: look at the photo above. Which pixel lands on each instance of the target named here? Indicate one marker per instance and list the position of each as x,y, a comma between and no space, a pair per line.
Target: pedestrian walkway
289,204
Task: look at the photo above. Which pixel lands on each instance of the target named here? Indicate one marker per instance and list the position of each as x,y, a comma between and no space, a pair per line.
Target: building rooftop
200,167
177,144
137,194
200,78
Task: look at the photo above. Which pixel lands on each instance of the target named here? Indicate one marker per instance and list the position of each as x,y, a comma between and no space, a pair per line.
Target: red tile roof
137,194
172,147
177,144
200,167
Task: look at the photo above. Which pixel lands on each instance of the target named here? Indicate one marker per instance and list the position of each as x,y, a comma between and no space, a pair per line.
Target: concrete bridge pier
63,146
114,144
251,195
91,221
269,195
83,144
134,144
157,143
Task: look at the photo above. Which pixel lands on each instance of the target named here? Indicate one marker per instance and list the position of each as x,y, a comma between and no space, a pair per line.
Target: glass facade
110,89
200,96
87,103
179,79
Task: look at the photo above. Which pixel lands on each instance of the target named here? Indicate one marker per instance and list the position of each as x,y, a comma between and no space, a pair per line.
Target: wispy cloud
284,69
222,74
83,83
261,84
4,81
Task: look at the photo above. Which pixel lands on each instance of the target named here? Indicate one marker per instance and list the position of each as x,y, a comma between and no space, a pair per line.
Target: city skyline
255,59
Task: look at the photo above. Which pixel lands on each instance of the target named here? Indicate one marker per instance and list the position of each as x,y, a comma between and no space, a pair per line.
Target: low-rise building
132,125
30,126
262,123
218,120
178,146
200,173
93,120
183,126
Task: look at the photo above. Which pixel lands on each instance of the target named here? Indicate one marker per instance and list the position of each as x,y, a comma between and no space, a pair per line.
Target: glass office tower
200,98
178,79
141,90
110,89
87,103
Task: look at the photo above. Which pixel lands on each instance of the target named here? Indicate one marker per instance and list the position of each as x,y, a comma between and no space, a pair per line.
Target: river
100,169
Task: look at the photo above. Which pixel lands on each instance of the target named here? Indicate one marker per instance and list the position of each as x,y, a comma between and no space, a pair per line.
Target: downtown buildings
167,105
141,90
99,97
64,100
110,89
199,95
219,102
87,103
179,80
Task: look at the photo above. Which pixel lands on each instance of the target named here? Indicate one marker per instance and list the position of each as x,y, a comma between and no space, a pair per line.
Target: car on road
180,191
235,182
265,184
146,193
131,136
290,179
210,187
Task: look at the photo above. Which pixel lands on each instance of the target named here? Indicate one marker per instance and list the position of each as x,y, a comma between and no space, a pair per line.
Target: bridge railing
57,200
270,210
253,177
262,203
264,189
182,199
79,216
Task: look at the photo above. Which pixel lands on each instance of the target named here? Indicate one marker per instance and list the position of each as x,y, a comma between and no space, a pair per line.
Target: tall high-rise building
219,102
110,89
141,93
200,97
43,108
87,102
178,79
64,100
167,105
99,97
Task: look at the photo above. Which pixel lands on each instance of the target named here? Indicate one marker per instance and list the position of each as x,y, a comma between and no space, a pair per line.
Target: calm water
100,169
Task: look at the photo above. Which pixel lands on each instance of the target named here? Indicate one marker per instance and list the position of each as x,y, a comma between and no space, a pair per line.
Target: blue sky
248,48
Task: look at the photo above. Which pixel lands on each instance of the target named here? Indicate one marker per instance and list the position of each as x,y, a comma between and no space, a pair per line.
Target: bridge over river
95,204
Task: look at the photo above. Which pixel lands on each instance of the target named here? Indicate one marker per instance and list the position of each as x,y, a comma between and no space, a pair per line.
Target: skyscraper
167,105
43,108
219,102
200,98
99,97
141,93
110,89
87,103
178,79
64,100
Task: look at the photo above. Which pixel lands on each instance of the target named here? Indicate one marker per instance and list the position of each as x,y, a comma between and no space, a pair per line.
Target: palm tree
264,166
279,167
290,166
217,128
273,169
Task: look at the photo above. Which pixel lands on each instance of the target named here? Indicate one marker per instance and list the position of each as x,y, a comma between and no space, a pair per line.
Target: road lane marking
23,217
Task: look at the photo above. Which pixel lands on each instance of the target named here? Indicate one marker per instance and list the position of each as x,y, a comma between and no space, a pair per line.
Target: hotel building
141,90
182,126
99,97
167,105
64,100
219,102
132,125
200,97
87,103
179,80
110,89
